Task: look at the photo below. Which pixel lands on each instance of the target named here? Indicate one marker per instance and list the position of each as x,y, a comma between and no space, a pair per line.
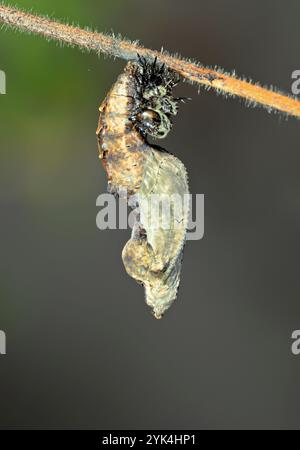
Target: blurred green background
83,349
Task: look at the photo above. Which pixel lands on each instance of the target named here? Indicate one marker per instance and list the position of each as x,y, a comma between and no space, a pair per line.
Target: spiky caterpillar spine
138,104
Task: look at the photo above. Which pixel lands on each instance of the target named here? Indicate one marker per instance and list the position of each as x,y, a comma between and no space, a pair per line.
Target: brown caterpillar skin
153,255
121,147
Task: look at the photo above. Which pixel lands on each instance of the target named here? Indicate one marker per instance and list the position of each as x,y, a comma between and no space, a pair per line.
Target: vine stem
225,83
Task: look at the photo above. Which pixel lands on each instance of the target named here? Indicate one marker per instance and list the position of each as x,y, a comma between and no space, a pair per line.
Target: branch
225,83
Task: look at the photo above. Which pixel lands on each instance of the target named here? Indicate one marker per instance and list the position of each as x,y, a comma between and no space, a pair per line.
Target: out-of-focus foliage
50,109
49,89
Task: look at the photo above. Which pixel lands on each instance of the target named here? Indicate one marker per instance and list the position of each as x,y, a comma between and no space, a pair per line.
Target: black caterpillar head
155,102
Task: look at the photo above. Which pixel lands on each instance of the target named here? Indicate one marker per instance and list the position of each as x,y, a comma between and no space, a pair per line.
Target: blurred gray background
83,350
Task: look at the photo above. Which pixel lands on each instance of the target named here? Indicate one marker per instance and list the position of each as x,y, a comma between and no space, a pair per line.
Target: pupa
141,104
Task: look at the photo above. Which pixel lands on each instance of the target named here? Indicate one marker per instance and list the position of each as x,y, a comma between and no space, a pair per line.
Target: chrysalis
141,104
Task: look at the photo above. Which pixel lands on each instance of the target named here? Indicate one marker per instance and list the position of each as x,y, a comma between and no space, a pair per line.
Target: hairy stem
122,48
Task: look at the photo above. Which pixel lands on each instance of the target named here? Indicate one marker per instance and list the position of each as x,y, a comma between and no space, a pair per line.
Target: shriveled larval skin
121,147
153,255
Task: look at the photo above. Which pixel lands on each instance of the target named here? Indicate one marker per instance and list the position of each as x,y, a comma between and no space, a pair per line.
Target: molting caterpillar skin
141,104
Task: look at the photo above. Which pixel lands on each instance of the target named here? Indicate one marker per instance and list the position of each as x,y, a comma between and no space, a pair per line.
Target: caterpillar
140,104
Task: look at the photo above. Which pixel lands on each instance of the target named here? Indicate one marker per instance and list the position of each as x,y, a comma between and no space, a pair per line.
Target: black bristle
154,73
